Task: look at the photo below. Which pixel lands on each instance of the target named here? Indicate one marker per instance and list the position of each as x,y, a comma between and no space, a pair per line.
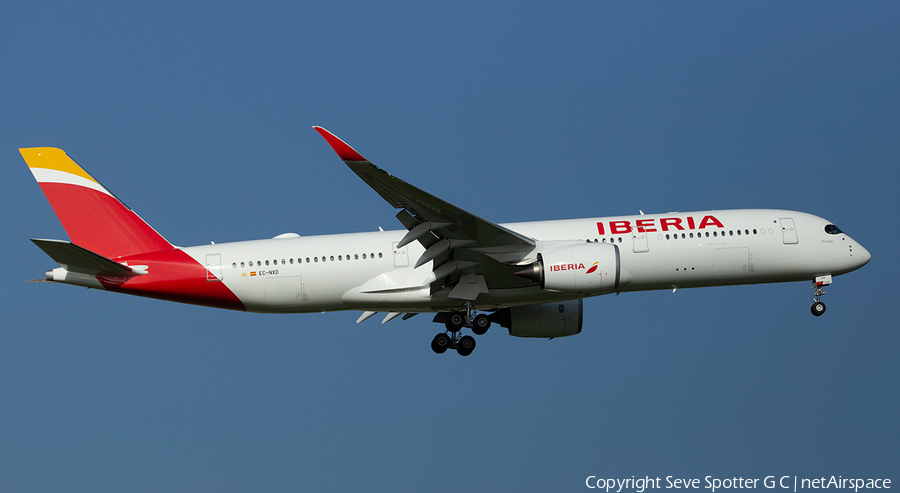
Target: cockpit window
832,229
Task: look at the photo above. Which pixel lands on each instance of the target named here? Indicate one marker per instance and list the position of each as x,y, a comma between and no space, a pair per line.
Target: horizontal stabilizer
74,258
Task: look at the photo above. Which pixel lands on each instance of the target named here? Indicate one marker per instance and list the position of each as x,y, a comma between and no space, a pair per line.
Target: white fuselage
365,271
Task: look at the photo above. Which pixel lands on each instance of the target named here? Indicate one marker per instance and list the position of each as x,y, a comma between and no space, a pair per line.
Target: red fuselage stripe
175,276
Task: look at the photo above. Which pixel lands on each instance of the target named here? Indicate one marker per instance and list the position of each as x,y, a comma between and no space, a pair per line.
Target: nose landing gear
452,337
818,308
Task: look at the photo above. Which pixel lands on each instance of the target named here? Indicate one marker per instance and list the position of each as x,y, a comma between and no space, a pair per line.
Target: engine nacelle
558,319
583,268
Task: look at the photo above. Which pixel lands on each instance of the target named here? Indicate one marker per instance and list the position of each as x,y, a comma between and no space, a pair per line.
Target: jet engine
558,319
583,268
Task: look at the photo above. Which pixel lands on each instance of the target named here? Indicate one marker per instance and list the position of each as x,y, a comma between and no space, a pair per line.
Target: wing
459,242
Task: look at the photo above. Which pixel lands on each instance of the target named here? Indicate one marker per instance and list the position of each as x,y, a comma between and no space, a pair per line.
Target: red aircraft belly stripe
100,223
174,275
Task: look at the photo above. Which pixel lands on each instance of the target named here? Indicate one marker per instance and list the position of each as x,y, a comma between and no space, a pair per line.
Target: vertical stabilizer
92,216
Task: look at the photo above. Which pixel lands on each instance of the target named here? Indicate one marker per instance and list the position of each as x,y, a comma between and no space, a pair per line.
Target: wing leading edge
461,244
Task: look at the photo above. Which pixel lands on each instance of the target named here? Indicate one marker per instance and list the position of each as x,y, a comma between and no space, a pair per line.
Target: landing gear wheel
455,321
440,343
818,308
465,346
818,283
481,324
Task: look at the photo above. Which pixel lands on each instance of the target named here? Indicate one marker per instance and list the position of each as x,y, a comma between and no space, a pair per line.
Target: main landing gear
443,341
818,308
452,338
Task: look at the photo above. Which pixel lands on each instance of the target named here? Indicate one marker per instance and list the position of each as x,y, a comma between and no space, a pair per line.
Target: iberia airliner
468,271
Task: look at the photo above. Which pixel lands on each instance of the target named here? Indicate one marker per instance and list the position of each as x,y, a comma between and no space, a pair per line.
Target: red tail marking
101,223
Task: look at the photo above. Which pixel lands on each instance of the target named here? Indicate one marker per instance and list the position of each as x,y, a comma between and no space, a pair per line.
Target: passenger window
682,236
258,263
355,256
242,265
692,235
332,258
292,260
667,236
739,232
340,257
315,259
730,232
371,255
234,265
307,260
282,262
364,256
379,255
707,234
754,231
267,262
746,231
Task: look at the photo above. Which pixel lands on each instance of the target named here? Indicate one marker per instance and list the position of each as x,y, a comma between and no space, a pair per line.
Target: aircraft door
731,262
788,231
214,267
401,257
640,241
284,291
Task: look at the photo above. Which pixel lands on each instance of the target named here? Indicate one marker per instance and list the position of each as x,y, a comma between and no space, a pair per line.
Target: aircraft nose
864,256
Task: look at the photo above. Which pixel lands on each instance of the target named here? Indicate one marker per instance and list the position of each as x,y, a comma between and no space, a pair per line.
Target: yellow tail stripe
55,159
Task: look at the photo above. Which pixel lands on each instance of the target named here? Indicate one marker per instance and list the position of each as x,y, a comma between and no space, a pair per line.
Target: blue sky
199,117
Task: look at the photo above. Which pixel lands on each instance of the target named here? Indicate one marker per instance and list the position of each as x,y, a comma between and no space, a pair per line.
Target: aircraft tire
818,308
455,321
440,343
481,324
465,346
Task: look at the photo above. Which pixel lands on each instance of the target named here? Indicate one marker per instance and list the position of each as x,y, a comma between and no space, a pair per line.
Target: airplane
528,277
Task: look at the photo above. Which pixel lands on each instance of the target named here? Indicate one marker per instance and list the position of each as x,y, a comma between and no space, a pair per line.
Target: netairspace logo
791,483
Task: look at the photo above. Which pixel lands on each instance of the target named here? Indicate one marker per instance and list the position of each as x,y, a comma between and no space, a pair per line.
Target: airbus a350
469,272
